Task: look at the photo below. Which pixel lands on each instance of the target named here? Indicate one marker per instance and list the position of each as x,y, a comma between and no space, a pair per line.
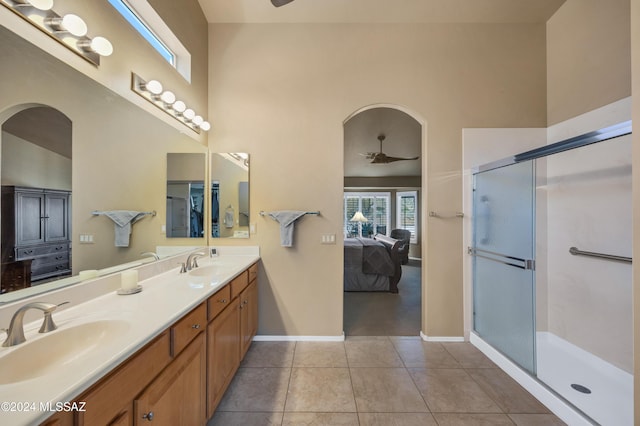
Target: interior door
503,270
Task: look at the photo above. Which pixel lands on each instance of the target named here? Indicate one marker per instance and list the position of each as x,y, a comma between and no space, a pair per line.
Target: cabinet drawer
239,283
219,301
253,272
188,328
49,268
105,402
31,252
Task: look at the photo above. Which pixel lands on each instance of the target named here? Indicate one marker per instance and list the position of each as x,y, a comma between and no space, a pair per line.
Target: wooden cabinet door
30,218
248,316
56,216
223,353
177,395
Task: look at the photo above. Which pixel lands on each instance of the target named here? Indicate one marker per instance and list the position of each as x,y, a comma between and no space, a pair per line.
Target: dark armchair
404,236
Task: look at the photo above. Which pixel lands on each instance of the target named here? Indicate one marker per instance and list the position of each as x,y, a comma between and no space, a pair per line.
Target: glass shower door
503,269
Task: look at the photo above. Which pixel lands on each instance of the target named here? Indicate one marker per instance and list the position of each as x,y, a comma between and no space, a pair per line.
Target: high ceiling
380,11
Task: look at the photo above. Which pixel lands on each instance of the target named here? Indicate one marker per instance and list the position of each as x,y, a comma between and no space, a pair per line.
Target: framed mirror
229,195
185,195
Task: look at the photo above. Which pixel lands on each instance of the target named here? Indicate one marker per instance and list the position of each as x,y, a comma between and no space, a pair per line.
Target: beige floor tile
320,354
320,390
269,354
396,419
320,419
372,353
257,389
386,390
228,418
452,390
536,420
468,355
449,419
417,353
506,392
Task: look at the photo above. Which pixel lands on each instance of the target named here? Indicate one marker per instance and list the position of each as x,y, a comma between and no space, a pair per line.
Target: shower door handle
516,262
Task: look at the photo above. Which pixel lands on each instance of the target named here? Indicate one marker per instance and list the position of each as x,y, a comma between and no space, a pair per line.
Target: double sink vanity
164,355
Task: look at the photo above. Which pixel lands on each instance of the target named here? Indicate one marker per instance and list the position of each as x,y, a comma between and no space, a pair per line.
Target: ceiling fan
278,3
382,158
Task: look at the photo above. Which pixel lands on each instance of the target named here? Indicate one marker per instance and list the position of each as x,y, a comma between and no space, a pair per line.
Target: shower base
561,364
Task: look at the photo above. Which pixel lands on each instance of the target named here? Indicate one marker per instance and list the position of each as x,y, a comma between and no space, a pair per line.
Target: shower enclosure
552,268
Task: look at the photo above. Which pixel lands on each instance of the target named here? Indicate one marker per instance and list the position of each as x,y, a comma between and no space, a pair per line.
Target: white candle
88,274
129,279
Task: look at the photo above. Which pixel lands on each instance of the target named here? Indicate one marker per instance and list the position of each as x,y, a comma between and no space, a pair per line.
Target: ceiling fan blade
278,3
382,158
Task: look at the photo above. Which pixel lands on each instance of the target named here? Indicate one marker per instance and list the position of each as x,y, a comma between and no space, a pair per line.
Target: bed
372,264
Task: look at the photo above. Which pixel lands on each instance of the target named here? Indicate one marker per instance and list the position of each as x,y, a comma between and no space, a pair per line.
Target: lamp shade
358,217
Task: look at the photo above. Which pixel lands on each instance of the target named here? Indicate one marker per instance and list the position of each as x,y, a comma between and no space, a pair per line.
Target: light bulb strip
49,22
139,86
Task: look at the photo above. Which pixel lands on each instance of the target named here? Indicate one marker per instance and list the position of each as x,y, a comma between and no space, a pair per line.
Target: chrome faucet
15,334
192,261
150,254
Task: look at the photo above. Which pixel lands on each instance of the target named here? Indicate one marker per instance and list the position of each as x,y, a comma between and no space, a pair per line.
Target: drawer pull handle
195,326
148,416
223,300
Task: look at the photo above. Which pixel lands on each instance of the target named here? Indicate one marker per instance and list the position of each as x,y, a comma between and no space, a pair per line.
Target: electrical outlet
252,228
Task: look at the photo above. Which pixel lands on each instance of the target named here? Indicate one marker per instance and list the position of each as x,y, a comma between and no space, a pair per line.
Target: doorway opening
382,218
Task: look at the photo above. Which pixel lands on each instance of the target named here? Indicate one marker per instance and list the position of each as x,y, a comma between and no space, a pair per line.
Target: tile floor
382,381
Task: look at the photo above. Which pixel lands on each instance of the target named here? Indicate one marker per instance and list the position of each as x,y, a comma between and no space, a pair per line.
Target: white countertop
164,299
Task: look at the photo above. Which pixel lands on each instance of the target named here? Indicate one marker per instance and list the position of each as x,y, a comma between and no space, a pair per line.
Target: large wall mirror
229,195
78,147
185,195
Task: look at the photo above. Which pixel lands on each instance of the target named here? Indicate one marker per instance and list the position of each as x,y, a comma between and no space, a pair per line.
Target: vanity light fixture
69,30
154,92
38,4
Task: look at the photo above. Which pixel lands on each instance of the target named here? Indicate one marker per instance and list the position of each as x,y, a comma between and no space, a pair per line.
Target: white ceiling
380,11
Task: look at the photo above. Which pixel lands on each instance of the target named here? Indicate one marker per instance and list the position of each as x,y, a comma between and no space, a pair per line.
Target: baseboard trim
441,338
557,406
275,338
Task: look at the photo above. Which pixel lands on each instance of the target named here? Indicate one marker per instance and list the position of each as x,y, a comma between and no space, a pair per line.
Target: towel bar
263,213
99,213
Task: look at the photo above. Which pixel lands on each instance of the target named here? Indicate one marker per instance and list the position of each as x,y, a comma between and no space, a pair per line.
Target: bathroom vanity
166,354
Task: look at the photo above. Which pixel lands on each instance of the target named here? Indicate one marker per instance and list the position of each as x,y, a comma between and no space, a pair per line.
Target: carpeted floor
386,314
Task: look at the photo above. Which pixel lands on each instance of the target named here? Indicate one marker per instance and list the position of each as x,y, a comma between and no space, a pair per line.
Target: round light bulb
74,24
168,97
197,120
154,87
179,106
189,114
101,46
205,126
41,4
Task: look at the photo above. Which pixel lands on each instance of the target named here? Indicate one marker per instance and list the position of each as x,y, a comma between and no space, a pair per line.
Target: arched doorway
383,175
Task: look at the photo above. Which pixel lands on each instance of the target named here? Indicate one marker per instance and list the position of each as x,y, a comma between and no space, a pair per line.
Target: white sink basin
56,349
209,270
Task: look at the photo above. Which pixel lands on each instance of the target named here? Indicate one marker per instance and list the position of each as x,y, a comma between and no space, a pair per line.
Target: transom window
146,21
374,206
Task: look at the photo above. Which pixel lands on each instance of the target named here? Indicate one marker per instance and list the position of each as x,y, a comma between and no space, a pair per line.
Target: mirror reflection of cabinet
185,195
35,228
230,195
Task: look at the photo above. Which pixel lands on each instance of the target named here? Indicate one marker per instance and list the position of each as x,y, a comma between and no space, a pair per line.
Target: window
146,21
375,206
407,213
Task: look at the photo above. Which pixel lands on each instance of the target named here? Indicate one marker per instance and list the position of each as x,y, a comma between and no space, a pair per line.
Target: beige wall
635,55
282,92
588,57
119,147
